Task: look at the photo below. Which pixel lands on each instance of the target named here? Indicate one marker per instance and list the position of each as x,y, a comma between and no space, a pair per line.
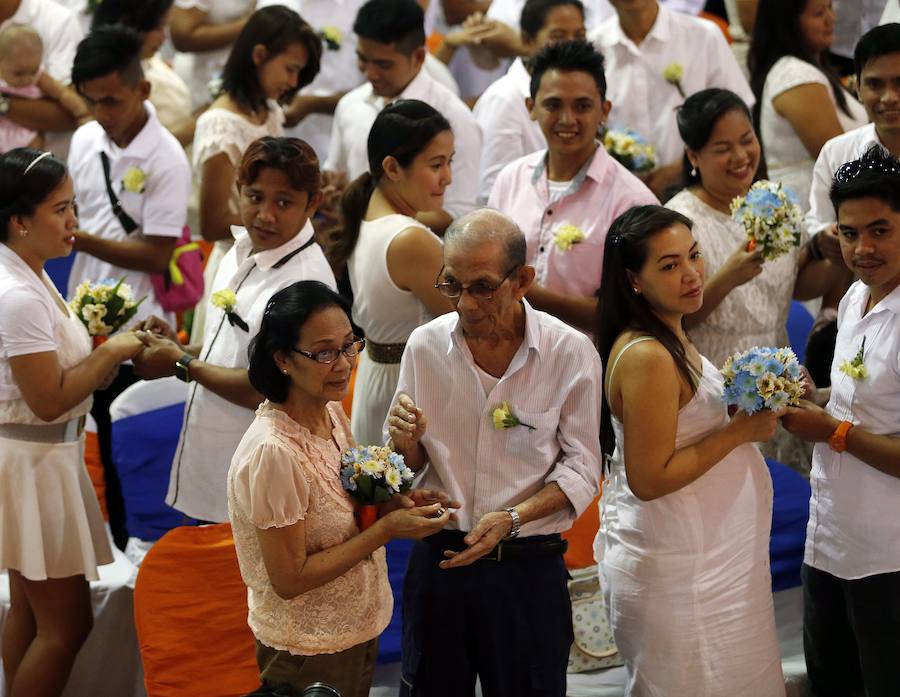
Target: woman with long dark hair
687,501
392,260
52,536
800,102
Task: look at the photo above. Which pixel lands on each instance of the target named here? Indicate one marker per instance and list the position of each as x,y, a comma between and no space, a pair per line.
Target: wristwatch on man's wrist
837,441
4,104
516,523
182,371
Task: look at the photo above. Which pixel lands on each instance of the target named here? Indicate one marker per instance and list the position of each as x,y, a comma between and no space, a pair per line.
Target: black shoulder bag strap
126,220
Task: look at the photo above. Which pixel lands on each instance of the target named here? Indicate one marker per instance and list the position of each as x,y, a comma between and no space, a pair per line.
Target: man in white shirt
506,125
502,402
60,33
851,572
877,61
148,176
640,44
390,53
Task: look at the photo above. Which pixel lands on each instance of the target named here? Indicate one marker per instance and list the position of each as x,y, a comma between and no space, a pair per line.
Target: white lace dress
787,158
686,576
222,131
386,314
50,520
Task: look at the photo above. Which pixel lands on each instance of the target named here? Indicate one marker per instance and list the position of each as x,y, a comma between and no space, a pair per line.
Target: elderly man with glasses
502,402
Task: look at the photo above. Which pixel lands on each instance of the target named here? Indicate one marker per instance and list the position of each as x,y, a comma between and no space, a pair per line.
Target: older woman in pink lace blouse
318,587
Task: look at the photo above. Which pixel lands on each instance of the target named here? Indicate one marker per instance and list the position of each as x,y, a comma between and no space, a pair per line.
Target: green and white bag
593,647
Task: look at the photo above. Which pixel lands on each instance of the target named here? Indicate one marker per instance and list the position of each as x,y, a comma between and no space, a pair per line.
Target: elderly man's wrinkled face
491,290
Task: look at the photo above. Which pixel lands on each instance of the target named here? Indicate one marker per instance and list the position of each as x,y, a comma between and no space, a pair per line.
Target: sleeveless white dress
386,314
686,576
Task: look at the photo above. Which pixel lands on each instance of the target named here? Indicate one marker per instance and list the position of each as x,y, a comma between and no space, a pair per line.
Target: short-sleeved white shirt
213,426
641,98
160,210
356,113
506,126
854,524
59,30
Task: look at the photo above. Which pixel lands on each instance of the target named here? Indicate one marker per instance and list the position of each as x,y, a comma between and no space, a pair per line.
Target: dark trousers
115,504
507,622
851,634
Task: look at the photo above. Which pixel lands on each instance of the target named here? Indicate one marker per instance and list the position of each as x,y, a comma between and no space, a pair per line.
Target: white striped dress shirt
552,383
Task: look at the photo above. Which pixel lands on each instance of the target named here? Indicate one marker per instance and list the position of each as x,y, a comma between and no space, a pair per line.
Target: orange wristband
837,441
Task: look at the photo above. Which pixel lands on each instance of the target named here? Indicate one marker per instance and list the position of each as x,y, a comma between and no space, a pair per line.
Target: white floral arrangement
763,378
372,474
104,307
630,148
771,217
673,73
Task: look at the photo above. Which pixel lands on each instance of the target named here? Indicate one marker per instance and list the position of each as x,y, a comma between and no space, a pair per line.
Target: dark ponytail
620,309
401,130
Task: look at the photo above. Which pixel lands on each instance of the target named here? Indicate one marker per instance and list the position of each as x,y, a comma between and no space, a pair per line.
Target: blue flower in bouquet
372,474
762,378
347,478
771,218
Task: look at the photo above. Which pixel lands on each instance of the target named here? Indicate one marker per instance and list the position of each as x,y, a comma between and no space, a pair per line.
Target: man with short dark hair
125,157
512,401
565,197
851,570
391,52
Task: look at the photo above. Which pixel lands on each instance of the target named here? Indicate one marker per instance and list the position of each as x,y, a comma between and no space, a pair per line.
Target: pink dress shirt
600,192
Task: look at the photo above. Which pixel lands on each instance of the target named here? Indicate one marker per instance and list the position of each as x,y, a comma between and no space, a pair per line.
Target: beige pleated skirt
50,520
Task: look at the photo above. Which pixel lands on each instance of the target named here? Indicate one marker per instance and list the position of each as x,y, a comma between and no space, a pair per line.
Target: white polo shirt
59,30
213,426
506,126
854,512
846,147
641,98
160,210
356,113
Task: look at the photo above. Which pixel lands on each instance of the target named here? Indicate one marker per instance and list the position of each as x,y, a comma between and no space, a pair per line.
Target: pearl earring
636,290
23,232
285,372
693,171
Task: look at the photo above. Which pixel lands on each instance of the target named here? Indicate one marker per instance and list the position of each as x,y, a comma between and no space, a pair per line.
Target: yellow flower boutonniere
855,368
226,300
566,236
135,180
672,74
332,37
504,418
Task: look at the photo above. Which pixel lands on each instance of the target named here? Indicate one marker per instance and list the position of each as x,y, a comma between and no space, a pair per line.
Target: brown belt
384,353
65,432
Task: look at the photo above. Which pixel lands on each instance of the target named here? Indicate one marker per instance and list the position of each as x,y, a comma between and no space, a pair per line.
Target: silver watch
516,523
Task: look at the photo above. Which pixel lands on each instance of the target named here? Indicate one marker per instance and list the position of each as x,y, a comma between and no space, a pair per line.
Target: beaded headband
875,159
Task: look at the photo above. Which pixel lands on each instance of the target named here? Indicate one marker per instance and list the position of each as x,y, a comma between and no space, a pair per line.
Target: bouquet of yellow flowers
630,148
104,307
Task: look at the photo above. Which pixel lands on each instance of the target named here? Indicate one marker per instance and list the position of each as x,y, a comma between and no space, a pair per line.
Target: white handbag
593,647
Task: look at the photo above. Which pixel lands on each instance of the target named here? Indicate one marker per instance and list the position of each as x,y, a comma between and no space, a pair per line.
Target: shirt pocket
538,445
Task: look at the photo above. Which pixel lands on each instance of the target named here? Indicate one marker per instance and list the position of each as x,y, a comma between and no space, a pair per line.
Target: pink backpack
181,286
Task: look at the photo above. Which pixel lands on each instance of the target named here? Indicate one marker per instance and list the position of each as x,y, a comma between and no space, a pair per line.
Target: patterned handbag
593,647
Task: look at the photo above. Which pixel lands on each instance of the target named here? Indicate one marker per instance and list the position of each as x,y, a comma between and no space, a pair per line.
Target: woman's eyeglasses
350,350
479,290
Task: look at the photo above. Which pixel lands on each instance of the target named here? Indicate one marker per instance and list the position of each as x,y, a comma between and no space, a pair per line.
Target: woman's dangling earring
23,232
693,171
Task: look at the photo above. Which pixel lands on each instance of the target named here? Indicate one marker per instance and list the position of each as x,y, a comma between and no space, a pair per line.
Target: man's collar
416,89
270,258
531,339
144,144
661,29
587,170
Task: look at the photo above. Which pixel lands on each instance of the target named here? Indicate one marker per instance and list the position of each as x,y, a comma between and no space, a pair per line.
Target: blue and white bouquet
372,474
763,378
770,215
630,148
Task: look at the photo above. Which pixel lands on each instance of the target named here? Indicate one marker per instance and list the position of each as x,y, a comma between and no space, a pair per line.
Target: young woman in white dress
687,501
275,55
52,536
392,260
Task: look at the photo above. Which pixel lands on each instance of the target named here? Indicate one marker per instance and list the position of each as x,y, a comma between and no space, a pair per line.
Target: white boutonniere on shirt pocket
134,180
856,368
504,418
672,74
226,300
566,236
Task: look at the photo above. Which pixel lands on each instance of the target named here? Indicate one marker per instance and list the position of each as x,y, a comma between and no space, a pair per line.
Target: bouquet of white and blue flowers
630,148
763,378
770,215
372,475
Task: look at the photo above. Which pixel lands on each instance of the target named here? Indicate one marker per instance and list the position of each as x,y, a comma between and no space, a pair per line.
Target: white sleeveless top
385,312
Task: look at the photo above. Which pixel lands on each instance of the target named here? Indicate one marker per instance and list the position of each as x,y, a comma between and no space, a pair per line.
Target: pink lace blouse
282,473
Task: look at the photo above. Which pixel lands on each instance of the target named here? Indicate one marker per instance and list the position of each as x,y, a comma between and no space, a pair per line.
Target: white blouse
787,158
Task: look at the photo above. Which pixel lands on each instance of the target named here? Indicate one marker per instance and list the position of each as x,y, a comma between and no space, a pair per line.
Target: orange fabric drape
190,611
581,538
95,470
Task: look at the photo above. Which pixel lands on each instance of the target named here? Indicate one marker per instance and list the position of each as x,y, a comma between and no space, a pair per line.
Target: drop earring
636,290
23,232
693,171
